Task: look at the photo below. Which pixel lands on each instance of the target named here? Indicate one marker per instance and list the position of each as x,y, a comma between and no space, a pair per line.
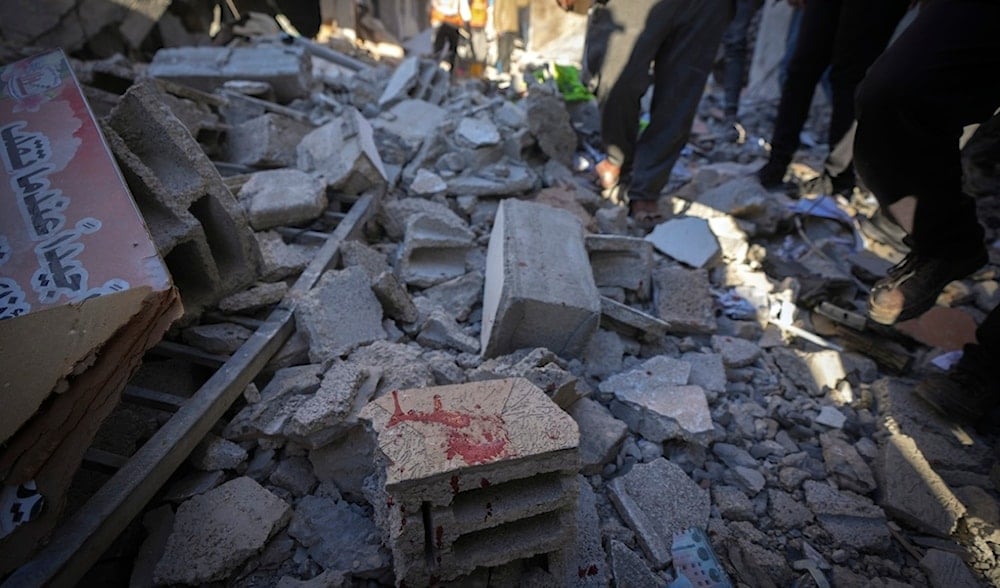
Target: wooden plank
81,541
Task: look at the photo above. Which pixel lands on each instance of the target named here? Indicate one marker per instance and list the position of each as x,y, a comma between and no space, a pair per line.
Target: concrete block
539,291
677,505
736,352
357,253
660,414
459,295
216,532
491,467
343,154
604,438
683,299
339,314
550,123
404,79
501,179
396,301
433,250
284,67
395,214
266,141
203,231
282,197
413,121
278,401
689,240
440,331
280,260
624,262
477,132
333,409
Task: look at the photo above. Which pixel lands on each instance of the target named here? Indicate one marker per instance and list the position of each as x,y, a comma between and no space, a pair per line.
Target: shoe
608,174
772,177
959,394
912,286
645,213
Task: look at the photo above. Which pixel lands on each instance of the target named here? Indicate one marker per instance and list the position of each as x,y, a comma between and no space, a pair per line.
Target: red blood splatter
454,485
484,483
475,439
439,536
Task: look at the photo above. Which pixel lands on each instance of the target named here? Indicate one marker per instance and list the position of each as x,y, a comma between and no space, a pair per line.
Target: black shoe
912,286
772,177
959,395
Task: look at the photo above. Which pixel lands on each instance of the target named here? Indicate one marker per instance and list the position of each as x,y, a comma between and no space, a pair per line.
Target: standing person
632,44
506,23
847,36
449,17
911,110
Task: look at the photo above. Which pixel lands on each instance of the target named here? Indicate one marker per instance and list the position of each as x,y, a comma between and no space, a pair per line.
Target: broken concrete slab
736,352
501,179
459,295
741,197
367,258
282,197
477,132
677,505
845,465
604,437
332,410
284,67
604,354
280,260
912,492
850,519
266,141
346,462
216,453
945,568
427,183
629,569
549,122
630,321
394,215
433,250
396,301
683,299
539,290
278,401
689,240
295,475
216,532
660,414
413,121
658,372
339,536
441,331
707,371
619,261
339,314
343,154
404,79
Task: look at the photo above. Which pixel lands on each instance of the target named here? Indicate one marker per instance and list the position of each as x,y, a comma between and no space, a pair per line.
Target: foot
772,177
912,286
607,174
959,395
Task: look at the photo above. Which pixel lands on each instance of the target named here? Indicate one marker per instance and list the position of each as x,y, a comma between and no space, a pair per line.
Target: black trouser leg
734,40
911,109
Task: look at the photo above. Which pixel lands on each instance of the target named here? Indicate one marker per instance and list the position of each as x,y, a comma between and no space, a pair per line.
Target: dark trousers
846,36
911,109
447,34
734,42
677,40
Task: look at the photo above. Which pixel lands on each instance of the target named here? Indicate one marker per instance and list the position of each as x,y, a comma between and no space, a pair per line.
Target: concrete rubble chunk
413,121
284,67
346,462
689,240
786,511
657,372
793,365
845,465
604,437
427,183
733,240
490,465
441,331
396,301
624,262
947,569
629,569
216,532
404,79
539,290
295,475
741,197
460,295
339,314
912,492
266,141
549,122
359,254
683,299
256,297
402,366
660,414
338,536
588,563
216,453
831,417
278,401
394,215
332,410
630,321
500,179
343,154
850,519
280,197
477,132
433,250
736,352
733,503
707,371
280,260
603,356
677,505
219,338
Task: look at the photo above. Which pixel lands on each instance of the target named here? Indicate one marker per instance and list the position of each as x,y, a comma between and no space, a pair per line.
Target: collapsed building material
622,262
472,475
83,292
539,289
343,154
199,227
265,141
282,197
285,68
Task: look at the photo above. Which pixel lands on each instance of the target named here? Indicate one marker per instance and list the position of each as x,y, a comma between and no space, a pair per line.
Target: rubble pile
685,378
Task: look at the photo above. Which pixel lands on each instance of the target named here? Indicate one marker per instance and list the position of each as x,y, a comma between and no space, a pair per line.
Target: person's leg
812,55
911,109
734,41
612,30
683,60
505,47
631,48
